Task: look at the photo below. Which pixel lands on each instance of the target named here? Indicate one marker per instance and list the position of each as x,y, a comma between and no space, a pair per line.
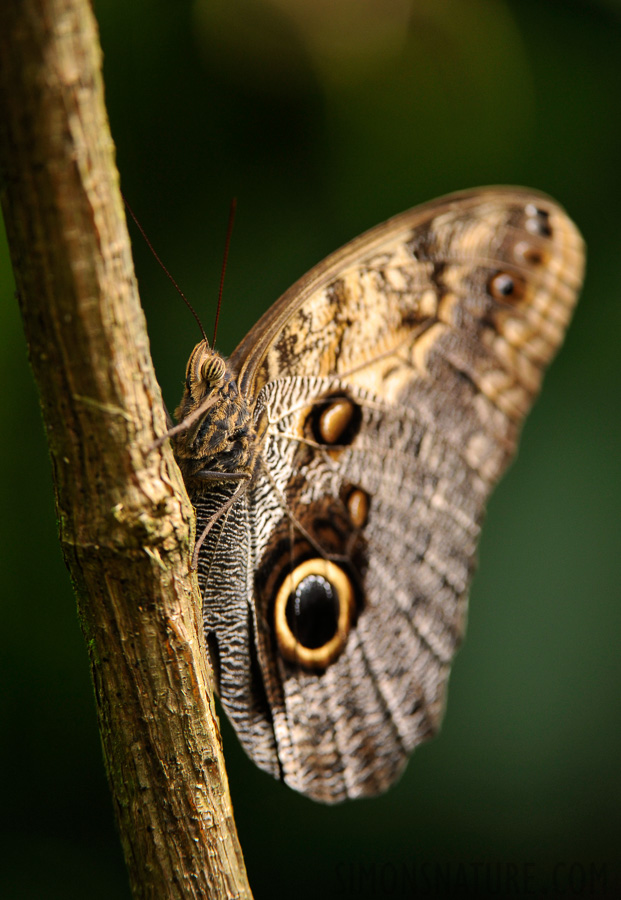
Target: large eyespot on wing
402,367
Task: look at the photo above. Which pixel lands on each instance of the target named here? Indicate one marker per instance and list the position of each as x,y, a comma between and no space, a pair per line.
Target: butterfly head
205,372
214,431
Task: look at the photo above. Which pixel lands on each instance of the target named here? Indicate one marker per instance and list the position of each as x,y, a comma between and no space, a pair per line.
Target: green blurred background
324,117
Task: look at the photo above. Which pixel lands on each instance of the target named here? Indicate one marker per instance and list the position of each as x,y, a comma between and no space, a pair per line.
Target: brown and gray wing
346,729
428,343
226,584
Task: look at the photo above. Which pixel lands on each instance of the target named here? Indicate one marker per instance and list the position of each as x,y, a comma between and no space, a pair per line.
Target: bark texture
125,521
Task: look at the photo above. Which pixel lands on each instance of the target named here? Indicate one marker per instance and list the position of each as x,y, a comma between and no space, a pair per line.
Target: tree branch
126,524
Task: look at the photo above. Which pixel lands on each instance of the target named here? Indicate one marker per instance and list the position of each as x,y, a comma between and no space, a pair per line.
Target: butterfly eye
313,613
503,286
212,370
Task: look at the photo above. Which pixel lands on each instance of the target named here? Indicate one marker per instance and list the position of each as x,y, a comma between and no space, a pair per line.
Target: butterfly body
339,464
220,438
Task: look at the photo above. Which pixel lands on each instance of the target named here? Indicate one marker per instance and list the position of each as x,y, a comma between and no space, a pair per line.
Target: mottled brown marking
538,221
330,539
506,287
526,253
336,293
358,507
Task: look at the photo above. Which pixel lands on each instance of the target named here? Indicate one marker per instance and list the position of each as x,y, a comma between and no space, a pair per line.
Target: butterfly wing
389,386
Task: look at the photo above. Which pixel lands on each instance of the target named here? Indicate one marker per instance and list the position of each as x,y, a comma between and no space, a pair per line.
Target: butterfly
339,464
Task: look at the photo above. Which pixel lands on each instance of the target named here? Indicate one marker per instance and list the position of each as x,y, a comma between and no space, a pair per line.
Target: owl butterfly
340,462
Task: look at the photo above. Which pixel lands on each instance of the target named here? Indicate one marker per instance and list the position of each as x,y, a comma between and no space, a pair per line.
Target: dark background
324,117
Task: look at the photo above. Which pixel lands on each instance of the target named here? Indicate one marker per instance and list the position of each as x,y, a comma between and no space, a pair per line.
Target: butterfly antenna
176,286
229,232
